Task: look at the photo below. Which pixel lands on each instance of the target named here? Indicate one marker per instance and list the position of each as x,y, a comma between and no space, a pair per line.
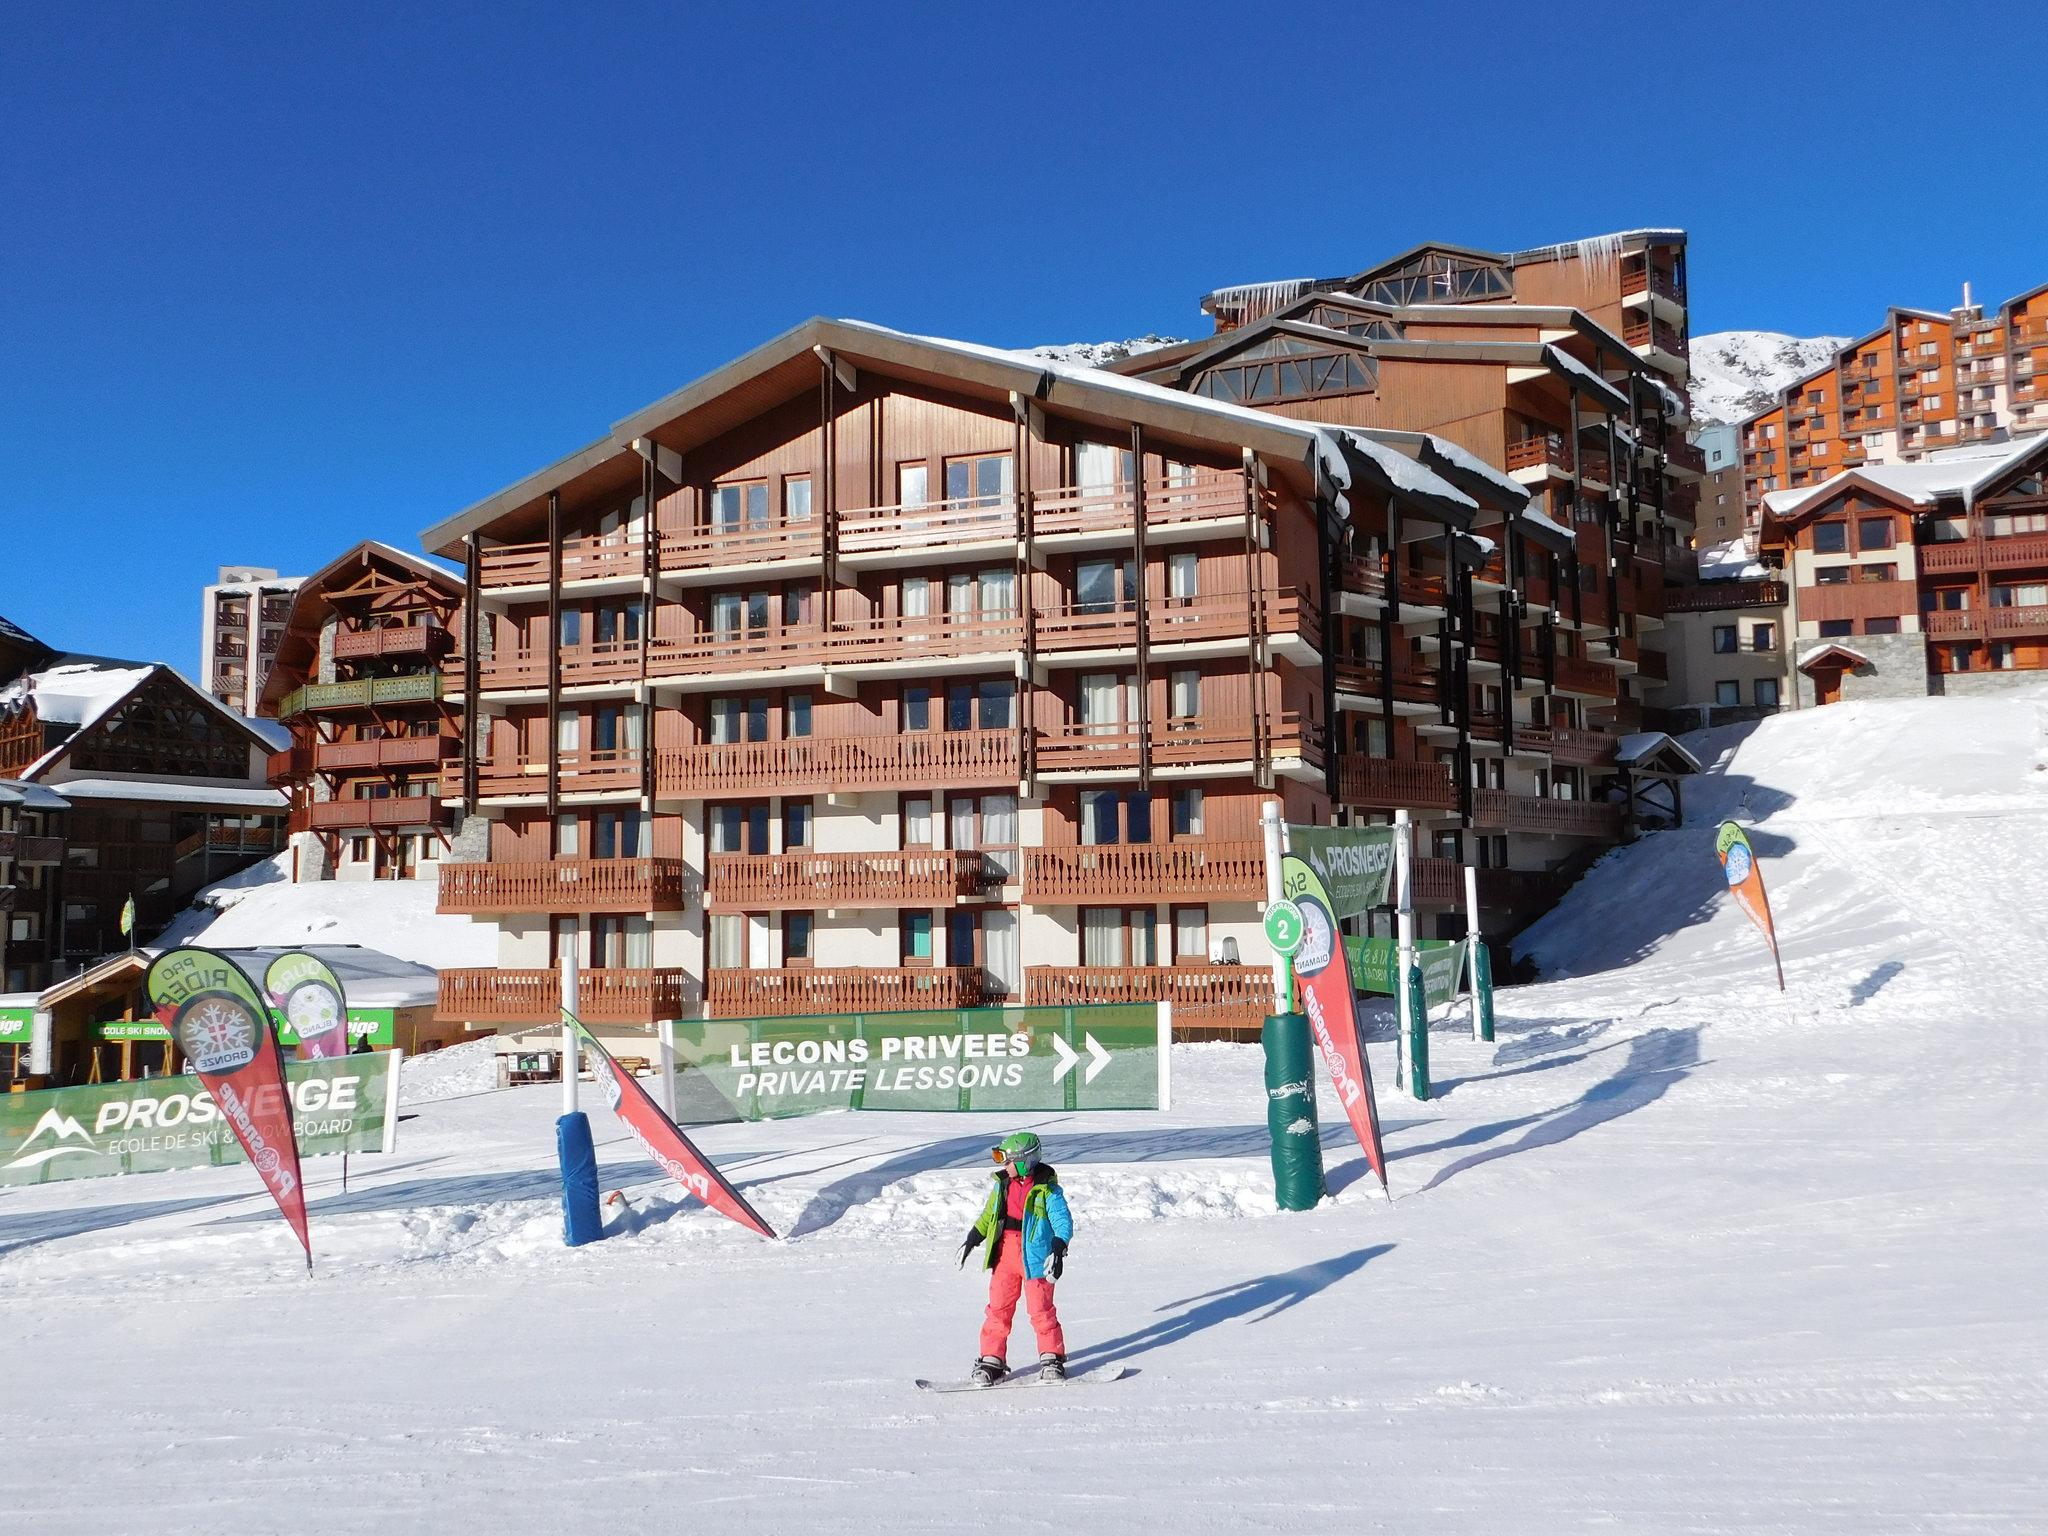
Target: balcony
1236,998
592,771
1654,665
1549,451
288,766
1651,281
938,877
1064,512
361,693
809,991
1191,742
1212,620
1980,623
1712,596
1437,882
1857,600
1194,870
2019,549
1686,458
920,638
1571,747
590,663
1498,810
878,535
27,848
1366,578
391,813
1576,675
1413,686
1382,784
1952,623
1654,336
807,765
723,548
389,753
604,996
408,641
2030,620
564,885
615,559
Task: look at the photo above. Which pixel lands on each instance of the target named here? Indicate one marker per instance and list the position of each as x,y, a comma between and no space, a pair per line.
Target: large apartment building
241,620
357,680
1906,579
1924,381
873,670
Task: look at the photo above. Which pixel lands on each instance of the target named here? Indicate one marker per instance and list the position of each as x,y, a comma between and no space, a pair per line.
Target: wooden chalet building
1564,368
358,681
877,671
1906,579
32,826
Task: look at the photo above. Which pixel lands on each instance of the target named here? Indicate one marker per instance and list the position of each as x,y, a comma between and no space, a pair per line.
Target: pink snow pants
1005,1283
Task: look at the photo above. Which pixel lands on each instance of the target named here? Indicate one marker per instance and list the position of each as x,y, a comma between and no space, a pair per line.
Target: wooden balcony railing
909,878
1654,665
591,559
1710,596
1550,450
1173,620
824,764
1684,455
1094,509
1574,674
1644,333
808,991
1970,554
689,549
1857,600
1194,869
848,642
360,693
1412,685
564,885
966,520
1993,622
1498,810
1576,748
390,752
287,766
588,771
1383,784
1233,998
31,848
2029,620
1368,578
1438,882
1650,280
1176,743
408,640
393,813
604,996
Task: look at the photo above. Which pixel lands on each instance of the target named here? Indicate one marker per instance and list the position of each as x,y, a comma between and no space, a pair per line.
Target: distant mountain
1100,354
1735,374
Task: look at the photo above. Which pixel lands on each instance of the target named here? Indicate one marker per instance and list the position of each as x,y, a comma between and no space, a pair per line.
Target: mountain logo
65,1129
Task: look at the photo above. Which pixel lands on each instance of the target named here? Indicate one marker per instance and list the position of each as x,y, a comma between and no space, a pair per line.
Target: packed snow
261,906
1735,374
1676,1253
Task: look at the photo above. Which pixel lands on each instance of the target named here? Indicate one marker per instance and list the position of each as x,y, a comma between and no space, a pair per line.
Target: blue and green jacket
1047,1221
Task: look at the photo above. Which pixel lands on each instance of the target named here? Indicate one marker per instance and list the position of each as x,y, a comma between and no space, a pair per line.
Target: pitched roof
79,690
1960,472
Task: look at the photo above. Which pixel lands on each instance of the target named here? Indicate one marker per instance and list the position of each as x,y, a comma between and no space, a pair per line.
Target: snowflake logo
218,1033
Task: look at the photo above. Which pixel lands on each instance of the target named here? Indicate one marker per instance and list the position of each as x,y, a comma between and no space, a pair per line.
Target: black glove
973,1242
1058,1266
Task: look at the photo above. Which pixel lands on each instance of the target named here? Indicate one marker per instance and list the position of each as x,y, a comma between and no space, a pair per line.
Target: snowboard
1028,1377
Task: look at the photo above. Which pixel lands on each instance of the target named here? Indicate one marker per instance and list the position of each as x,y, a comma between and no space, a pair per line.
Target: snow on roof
1094,354
1472,464
176,791
9,630
1569,364
34,796
1545,520
1837,648
369,977
1634,748
1404,473
78,690
1731,561
1957,472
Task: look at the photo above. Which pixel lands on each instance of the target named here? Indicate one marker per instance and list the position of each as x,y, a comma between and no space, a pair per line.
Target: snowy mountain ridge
1100,354
1735,374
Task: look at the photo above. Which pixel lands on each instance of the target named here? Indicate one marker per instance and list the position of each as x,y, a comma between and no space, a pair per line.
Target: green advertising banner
376,1027
344,1104
17,1024
1014,1059
1374,962
1355,864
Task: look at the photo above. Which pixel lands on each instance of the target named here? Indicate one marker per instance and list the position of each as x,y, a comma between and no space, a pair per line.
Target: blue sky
277,278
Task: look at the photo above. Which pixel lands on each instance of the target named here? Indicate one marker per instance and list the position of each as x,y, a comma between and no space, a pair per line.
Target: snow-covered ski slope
1675,1254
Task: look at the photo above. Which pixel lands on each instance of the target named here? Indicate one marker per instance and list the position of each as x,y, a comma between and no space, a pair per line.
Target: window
796,499
728,941
1764,638
912,483
738,506
1724,639
1187,811
1181,570
617,835
1110,934
917,709
1727,692
1885,572
1101,703
1115,816
572,627
1831,538
1874,533
2002,657
1767,693
2001,524
960,707
999,833
999,958
982,481
796,715
916,930
738,828
1190,935
796,824
796,938
1184,693
2026,594
1102,586
996,701
1880,626
1834,629
1831,576
917,822
1099,468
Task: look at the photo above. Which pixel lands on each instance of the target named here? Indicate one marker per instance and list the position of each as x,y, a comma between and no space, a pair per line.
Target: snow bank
261,906
450,1073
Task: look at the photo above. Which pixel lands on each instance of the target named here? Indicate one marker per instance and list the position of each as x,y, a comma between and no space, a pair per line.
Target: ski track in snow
1676,1253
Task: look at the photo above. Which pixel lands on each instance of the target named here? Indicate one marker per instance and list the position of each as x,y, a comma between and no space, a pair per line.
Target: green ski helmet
1020,1152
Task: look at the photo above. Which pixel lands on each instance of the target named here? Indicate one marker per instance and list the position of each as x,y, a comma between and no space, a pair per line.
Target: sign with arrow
1006,1059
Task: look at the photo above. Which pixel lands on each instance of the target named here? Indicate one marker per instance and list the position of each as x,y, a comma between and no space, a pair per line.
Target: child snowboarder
1027,1227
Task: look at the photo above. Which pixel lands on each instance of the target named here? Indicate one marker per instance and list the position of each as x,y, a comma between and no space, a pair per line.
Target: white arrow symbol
1098,1058
1069,1058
